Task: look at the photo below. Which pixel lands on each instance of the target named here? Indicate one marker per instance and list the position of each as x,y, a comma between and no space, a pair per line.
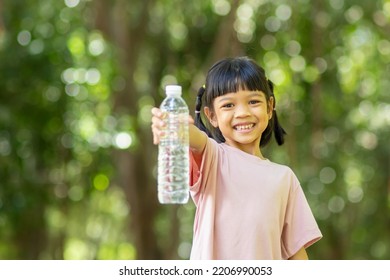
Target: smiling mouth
243,127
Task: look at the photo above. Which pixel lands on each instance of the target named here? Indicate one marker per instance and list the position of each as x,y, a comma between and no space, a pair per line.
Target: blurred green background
78,79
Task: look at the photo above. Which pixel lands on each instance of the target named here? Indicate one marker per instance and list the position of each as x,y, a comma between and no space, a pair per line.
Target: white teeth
243,127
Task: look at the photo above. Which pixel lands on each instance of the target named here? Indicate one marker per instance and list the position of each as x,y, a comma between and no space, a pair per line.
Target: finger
156,112
156,140
156,133
157,136
157,122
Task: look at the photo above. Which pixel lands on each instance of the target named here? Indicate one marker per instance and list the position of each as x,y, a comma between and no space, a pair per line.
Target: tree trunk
226,42
133,167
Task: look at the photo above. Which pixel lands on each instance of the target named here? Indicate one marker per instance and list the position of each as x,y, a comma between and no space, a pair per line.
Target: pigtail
278,129
198,107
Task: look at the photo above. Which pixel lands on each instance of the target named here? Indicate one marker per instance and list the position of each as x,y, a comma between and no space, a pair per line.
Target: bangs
232,75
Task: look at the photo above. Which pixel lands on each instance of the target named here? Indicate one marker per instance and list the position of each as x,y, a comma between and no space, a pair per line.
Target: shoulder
284,171
281,167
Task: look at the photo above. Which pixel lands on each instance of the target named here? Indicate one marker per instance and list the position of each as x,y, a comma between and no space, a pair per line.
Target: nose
242,111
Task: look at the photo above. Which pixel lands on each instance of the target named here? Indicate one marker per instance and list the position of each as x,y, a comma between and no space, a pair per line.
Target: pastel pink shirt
247,208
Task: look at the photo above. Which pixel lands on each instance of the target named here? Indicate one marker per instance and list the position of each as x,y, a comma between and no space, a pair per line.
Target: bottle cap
173,90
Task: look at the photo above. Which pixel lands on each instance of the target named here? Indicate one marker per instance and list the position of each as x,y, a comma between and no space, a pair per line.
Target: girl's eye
228,105
254,102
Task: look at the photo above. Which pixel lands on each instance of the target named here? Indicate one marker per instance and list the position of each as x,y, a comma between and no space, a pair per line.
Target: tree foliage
78,79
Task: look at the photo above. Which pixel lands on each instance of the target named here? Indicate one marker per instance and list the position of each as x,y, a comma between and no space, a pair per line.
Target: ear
271,104
210,116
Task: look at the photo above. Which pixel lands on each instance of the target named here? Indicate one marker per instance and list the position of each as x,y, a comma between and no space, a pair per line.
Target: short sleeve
300,227
206,172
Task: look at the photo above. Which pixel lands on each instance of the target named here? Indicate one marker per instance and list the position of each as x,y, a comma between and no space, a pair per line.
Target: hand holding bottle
158,124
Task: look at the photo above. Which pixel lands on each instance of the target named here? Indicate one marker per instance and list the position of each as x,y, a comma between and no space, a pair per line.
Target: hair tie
197,112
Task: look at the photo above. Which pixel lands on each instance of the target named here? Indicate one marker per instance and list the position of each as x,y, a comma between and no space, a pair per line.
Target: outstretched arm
197,138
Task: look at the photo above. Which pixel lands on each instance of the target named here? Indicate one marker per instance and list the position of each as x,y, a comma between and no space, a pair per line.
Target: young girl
247,207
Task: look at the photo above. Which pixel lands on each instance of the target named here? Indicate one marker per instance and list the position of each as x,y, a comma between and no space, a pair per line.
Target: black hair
231,75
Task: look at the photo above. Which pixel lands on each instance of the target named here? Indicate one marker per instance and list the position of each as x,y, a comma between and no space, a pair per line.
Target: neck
252,149
254,152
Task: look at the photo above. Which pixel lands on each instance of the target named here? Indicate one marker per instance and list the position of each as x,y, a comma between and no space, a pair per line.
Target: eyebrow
253,94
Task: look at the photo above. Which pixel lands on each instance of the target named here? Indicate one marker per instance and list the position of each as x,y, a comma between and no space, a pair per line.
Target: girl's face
242,117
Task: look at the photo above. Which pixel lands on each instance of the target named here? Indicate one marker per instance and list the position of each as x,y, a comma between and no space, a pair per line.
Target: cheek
214,123
263,113
268,112
214,120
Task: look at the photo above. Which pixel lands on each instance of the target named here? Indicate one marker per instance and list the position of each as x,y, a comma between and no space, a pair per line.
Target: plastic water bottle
173,150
